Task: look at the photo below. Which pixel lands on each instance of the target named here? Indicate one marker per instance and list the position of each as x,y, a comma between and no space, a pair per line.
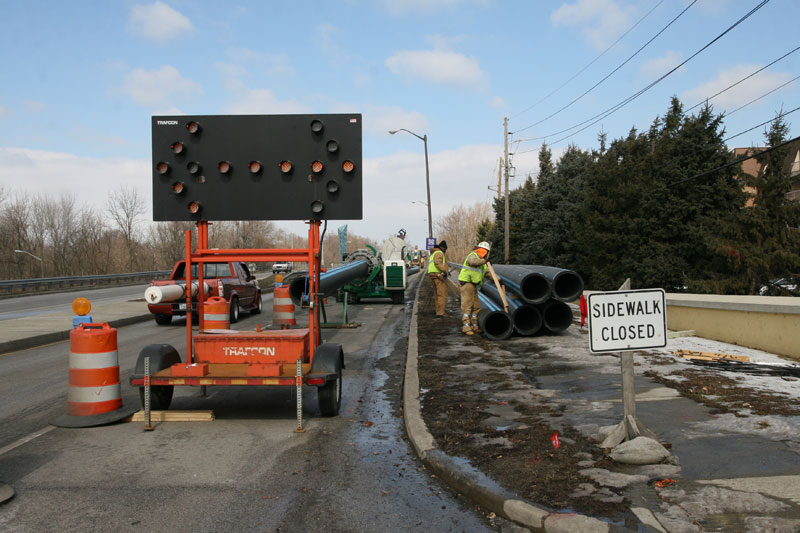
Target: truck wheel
259,305
161,356
329,396
234,310
163,320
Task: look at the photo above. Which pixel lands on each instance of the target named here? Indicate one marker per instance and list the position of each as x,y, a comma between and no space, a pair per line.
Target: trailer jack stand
299,383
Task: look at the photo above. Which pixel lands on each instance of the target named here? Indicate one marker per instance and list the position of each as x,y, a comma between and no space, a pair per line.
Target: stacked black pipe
537,296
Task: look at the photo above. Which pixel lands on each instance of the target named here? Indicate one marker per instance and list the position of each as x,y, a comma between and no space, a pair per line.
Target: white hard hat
485,245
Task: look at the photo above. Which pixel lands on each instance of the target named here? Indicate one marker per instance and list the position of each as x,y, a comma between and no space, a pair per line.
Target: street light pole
35,257
424,140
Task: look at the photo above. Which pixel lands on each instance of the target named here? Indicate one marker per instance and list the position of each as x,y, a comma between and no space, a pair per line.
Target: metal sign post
621,322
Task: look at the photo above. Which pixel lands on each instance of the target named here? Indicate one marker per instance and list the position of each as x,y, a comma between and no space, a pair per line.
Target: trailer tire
329,396
397,297
163,320
234,310
259,305
161,356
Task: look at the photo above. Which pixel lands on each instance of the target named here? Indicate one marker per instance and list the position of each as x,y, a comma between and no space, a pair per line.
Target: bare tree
459,228
125,206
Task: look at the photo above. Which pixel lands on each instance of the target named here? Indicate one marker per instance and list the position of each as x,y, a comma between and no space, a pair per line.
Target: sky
80,80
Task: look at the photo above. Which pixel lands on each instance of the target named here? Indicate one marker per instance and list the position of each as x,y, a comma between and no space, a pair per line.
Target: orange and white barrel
93,370
282,308
216,313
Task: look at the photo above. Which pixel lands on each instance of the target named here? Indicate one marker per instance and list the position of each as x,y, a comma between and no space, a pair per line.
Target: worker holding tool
470,278
438,272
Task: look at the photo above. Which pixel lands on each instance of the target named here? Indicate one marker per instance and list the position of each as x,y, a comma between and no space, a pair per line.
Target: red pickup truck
230,280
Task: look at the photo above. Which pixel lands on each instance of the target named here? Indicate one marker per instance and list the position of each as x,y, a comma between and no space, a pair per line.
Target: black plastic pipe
330,281
566,285
495,323
530,285
556,314
526,318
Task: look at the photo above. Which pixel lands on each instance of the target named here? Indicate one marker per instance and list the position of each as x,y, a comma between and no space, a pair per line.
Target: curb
466,479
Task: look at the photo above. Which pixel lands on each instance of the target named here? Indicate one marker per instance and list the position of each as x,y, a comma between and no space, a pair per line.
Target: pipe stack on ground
495,323
527,319
537,289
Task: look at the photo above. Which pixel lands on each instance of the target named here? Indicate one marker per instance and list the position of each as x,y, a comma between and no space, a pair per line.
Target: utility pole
506,241
499,178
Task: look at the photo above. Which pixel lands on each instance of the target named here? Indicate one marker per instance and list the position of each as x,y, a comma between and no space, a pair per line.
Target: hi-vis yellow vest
472,274
432,268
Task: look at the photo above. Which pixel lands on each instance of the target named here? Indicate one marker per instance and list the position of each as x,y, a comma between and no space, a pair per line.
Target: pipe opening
557,316
527,320
535,288
496,325
567,286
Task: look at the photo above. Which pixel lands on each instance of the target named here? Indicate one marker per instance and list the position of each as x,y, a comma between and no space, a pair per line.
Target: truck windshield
211,270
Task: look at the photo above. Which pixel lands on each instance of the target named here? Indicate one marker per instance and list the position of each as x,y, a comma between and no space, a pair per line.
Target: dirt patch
725,395
477,403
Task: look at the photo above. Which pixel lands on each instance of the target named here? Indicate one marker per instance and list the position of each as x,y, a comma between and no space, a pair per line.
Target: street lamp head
392,132
19,251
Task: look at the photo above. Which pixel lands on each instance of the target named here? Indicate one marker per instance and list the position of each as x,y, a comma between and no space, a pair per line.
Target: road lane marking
26,439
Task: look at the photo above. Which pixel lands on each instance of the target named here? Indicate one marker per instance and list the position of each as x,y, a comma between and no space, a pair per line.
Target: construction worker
470,278
438,272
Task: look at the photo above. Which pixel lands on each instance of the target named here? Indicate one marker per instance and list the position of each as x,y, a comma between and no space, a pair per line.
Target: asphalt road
247,470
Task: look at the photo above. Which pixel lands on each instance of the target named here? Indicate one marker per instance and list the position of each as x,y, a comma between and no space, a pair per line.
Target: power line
734,163
592,62
600,116
743,79
762,96
610,73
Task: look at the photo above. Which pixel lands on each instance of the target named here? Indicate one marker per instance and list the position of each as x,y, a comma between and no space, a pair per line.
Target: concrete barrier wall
769,323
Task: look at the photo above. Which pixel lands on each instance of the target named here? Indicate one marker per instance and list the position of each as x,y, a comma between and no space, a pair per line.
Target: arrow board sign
627,320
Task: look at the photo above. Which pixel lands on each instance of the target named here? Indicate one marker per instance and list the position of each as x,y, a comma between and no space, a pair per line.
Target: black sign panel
257,167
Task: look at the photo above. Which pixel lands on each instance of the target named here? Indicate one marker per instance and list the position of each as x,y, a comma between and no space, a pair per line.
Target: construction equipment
387,276
253,167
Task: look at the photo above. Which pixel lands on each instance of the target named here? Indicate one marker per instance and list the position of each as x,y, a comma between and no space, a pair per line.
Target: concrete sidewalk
30,331
735,466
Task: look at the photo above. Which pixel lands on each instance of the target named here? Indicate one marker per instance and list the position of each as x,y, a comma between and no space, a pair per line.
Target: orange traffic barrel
216,313
282,308
94,395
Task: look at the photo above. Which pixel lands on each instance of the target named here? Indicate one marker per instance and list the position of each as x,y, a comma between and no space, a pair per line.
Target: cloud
400,7
157,88
158,22
601,21
378,120
244,60
3,112
247,100
34,106
742,93
658,66
439,66
497,103
89,179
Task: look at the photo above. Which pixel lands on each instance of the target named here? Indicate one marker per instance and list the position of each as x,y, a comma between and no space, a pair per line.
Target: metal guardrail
67,283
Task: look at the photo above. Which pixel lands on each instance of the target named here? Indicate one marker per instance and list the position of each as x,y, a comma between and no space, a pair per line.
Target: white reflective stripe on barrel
223,317
94,394
93,360
283,315
282,301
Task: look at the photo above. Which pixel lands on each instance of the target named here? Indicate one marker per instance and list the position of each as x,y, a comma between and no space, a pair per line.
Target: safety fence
16,287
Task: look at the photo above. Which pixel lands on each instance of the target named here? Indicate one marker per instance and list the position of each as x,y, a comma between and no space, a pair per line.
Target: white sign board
627,320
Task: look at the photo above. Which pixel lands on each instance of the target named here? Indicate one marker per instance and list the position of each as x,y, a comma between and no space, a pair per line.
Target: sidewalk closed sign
627,320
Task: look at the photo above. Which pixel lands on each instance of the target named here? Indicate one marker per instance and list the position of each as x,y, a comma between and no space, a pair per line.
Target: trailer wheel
163,320
397,297
329,396
259,305
161,356
234,310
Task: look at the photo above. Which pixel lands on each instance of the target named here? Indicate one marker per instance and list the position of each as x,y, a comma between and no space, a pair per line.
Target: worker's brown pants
439,292
470,306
